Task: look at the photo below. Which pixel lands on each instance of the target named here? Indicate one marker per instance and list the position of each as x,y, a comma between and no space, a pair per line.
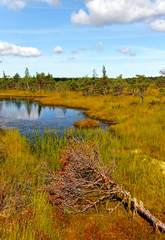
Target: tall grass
136,145
27,213
138,173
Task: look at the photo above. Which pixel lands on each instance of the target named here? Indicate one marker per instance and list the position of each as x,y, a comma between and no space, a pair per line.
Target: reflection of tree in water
39,110
11,101
18,113
35,104
8,102
64,111
18,103
29,105
1,103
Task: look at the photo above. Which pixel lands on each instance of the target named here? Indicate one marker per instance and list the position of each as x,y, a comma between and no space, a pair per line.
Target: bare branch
84,182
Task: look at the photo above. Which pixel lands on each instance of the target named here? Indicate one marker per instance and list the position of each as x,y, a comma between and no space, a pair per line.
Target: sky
71,38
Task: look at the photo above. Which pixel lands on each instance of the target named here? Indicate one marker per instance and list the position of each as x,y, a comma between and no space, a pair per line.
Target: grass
143,124
25,211
136,144
87,123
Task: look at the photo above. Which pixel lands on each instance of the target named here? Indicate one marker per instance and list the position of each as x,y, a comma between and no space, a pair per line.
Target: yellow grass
87,123
142,124
139,150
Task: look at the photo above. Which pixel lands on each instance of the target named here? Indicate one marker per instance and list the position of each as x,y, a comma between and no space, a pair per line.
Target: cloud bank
107,12
11,49
19,4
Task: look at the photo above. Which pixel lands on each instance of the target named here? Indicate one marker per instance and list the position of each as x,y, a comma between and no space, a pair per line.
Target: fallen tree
84,183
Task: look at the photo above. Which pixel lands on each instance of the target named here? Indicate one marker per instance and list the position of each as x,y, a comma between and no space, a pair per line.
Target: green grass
138,173
25,209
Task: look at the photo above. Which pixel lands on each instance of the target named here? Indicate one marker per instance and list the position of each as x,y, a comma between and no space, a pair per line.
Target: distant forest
87,85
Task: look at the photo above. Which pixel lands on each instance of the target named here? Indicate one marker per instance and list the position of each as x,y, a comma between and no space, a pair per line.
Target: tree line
87,85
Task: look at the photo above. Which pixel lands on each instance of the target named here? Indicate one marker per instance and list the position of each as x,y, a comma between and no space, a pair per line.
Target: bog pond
28,116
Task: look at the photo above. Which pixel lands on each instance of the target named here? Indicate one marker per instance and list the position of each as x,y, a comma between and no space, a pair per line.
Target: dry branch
156,223
83,183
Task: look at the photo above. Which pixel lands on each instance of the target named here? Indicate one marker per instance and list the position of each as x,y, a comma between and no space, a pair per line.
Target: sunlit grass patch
19,165
87,124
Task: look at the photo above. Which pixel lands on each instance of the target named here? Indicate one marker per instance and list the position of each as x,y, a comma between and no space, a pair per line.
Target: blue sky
70,38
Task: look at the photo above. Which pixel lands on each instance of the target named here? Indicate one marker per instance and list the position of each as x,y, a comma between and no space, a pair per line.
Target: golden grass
142,124
87,123
138,147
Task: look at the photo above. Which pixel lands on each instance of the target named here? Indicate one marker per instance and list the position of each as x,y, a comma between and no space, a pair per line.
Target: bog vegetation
88,85
36,202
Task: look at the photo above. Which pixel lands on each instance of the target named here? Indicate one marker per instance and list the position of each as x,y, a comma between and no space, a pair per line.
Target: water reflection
27,109
20,108
27,115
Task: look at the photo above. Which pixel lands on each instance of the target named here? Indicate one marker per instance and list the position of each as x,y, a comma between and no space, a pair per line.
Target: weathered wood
145,214
83,183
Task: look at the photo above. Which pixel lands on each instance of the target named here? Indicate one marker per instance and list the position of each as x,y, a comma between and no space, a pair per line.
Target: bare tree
84,182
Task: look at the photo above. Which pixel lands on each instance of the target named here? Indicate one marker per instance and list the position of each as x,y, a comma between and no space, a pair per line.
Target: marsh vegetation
134,148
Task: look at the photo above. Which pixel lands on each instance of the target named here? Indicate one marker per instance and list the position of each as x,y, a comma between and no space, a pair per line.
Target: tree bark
145,214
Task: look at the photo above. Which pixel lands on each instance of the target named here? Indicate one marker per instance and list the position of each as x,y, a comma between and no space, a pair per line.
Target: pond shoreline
28,113
39,98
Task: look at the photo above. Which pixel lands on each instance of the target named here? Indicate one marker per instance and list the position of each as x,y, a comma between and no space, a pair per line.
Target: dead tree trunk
145,214
83,183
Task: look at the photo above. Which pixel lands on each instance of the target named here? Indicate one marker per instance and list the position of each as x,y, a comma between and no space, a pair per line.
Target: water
27,116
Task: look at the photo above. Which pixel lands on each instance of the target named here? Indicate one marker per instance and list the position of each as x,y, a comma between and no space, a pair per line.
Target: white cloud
127,50
107,12
58,49
19,4
74,51
11,49
158,25
80,18
14,4
0,59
